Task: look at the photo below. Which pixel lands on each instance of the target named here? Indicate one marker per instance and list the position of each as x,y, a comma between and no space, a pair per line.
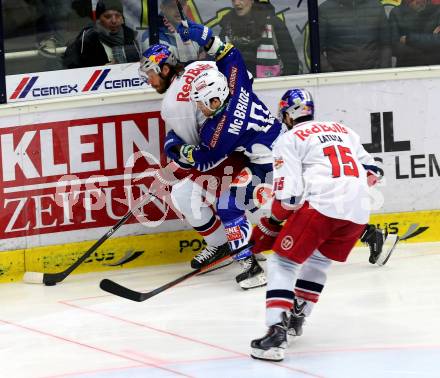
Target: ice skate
374,237
211,254
252,274
272,346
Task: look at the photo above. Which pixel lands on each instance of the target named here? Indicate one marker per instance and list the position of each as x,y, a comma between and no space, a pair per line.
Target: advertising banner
75,82
70,174
65,171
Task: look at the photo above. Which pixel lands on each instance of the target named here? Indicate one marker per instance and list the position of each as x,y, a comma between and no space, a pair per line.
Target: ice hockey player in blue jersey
237,121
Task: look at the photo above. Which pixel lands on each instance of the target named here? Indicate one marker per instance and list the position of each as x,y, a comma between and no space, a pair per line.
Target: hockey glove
186,153
172,145
373,174
264,235
195,32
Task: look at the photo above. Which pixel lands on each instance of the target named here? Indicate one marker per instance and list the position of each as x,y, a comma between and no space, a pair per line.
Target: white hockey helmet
208,85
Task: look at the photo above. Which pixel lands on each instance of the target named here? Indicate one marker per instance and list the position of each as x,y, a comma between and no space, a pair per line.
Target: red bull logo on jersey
262,194
317,128
278,162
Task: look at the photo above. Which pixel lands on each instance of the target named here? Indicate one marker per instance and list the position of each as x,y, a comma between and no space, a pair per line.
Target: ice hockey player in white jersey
160,69
321,192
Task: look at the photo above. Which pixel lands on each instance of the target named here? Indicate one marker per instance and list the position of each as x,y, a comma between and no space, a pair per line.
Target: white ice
370,322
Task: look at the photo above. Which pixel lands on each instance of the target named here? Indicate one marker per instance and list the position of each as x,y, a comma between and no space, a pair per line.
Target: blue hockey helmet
154,58
296,103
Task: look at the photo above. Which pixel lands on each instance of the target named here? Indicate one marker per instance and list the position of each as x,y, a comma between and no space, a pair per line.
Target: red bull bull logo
283,104
157,59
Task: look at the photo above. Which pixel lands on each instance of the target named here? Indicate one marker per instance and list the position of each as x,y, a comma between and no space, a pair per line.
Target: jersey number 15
341,156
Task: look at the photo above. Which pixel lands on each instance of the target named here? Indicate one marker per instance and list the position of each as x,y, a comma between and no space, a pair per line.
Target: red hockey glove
264,235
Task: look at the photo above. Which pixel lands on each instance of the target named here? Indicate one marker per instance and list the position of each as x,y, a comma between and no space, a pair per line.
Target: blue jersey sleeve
244,125
215,146
231,64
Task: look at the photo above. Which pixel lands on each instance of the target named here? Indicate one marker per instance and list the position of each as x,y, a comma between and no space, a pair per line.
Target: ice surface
370,322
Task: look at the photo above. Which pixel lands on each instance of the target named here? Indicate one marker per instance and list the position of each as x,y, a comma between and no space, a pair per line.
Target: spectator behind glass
354,35
108,41
261,37
415,26
185,52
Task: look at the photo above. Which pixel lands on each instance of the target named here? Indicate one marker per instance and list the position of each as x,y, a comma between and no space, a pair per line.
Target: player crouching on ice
321,192
236,121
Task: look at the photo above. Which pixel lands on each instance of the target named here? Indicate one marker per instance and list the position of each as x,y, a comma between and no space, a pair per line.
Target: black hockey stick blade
51,279
121,291
137,296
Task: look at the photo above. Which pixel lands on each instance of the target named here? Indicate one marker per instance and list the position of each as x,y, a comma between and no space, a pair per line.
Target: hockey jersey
178,111
244,125
322,163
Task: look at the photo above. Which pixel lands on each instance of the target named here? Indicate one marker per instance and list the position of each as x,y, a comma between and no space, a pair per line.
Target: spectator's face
111,20
417,5
171,12
242,7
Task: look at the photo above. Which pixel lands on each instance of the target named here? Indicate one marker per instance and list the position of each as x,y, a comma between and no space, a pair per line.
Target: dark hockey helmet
154,58
297,103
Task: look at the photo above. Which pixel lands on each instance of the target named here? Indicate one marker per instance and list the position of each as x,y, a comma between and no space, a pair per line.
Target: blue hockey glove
195,32
172,145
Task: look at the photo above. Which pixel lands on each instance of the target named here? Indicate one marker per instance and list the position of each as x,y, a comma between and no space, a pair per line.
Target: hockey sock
281,277
311,280
213,231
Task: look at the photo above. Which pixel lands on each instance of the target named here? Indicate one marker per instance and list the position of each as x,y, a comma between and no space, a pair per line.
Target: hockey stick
182,14
50,279
389,246
138,296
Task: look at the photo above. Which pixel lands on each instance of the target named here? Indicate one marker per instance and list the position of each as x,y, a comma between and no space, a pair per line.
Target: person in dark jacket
415,26
108,41
354,35
245,26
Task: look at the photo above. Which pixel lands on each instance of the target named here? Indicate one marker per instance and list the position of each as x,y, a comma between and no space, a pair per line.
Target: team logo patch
287,242
200,86
262,194
278,162
243,178
157,58
233,233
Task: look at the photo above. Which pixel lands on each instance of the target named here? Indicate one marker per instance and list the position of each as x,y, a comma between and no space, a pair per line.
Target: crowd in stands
353,34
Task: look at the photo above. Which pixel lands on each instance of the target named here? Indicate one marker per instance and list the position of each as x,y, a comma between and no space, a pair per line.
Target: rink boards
174,247
71,168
